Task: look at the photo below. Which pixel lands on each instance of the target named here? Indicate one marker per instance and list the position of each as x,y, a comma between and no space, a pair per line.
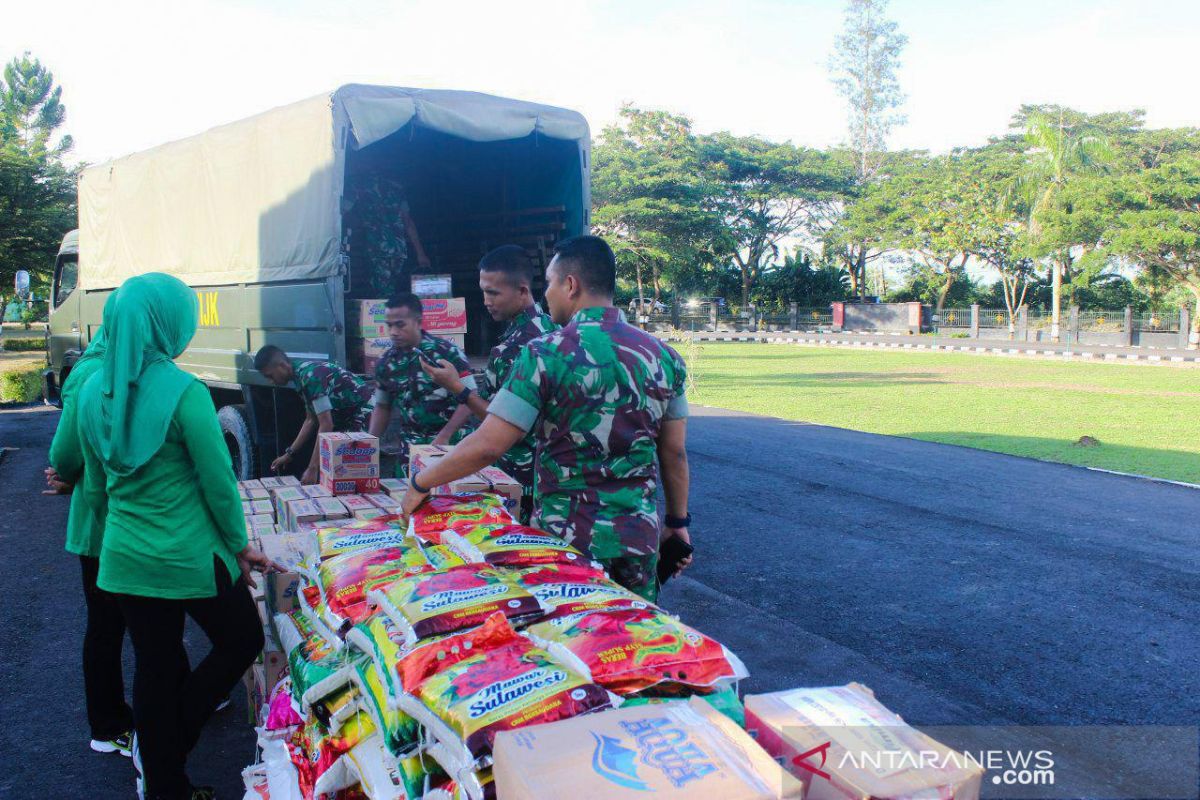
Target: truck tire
235,425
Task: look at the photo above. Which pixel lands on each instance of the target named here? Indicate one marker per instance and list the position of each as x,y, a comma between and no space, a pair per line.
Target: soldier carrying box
335,399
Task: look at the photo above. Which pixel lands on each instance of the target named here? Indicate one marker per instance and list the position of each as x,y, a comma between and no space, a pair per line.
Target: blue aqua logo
617,763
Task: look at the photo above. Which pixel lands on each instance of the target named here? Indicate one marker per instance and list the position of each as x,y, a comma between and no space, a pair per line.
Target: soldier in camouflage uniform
506,280
380,229
605,401
335,399
403,388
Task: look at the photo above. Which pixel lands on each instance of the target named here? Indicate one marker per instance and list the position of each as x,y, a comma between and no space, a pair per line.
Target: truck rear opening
467,198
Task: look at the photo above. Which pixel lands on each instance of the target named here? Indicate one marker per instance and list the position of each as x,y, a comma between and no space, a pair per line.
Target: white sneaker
119,744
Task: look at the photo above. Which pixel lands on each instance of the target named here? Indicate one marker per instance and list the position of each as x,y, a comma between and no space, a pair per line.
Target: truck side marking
208,309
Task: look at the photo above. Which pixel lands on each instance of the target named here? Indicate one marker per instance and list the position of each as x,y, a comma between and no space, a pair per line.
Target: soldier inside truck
378,230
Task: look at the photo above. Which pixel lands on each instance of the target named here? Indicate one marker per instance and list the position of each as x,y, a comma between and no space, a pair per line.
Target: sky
138,73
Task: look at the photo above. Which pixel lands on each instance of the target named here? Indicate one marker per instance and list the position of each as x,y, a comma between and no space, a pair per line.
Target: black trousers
108,714
171,703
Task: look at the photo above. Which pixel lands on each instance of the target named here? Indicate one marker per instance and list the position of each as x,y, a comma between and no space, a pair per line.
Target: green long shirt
165,523
66,456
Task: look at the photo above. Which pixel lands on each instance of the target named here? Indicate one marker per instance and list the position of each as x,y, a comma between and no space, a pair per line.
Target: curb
1151,478
1145,358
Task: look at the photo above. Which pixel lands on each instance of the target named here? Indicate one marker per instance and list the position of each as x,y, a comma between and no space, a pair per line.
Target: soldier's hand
423,261
412,501
311,476
682,533
281,462
445,375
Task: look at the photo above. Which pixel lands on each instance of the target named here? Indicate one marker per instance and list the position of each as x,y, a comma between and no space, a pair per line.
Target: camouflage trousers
638,574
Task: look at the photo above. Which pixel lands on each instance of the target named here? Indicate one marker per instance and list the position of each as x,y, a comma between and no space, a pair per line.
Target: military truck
255,216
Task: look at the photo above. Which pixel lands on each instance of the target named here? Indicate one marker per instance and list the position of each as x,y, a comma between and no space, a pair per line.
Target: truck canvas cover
259,200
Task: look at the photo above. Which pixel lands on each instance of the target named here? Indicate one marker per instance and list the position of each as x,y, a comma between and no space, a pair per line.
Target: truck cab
65,340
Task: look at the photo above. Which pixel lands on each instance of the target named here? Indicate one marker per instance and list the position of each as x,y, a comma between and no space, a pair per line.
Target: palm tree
1056,151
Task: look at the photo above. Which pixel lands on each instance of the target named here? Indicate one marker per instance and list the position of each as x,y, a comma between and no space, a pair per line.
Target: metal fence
995,318
1102,321
955,318
1157,322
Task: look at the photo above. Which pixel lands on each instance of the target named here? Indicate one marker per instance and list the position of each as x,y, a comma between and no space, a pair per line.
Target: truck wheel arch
239,438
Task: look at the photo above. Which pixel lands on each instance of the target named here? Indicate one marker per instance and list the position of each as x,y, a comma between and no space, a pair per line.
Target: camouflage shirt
325,386
378,237
525,327
595,394
423,406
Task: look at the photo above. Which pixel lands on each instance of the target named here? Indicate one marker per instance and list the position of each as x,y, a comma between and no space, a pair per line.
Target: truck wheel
235,425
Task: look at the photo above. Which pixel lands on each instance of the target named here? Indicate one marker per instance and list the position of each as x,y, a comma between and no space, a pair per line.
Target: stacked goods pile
458,655
411,646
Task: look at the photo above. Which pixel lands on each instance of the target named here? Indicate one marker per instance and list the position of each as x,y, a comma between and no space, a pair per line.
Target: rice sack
371,534
315,666
631,650
566,589
445,601
511,546
345,580
465,700
456,511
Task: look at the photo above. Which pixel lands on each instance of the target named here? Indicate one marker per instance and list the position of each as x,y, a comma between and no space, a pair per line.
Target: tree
864,62
1062,146
651,199
37,192
765,193
31,108
1158,223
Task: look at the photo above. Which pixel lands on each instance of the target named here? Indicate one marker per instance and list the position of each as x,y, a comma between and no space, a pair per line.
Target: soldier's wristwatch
464,395
678,522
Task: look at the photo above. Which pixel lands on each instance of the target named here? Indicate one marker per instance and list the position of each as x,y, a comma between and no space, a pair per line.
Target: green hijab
130,403
99,343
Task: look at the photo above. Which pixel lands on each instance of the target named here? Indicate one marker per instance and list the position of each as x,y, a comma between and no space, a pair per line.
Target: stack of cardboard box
367,332
488,479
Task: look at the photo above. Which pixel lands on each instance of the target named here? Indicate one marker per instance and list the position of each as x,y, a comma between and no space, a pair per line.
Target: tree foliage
37,191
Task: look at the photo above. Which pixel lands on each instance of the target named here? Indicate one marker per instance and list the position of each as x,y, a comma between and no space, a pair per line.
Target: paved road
964,587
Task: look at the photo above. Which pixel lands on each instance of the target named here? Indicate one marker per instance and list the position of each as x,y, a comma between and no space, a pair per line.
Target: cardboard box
280,588
316,491
489,479
331,508
298,512
247,509
393,486
341,486
253,483
258,531
262,508
843,744
371,347
369,513
274,661
674,750
257,520
254,682
355,502
271,483
384,501
243,493
432,285
369,363
363,311
257,493
444,315
349,455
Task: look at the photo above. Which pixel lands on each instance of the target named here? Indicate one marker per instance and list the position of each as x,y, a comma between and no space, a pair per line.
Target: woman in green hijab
109,716
158,475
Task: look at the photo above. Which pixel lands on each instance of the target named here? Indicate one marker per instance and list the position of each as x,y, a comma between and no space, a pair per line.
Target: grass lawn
1146,418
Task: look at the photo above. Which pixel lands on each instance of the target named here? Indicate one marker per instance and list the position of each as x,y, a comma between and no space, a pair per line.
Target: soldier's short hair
266,354
409,301
591,260
512,260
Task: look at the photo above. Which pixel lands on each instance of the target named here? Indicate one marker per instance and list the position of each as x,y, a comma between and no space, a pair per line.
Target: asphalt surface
963,587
